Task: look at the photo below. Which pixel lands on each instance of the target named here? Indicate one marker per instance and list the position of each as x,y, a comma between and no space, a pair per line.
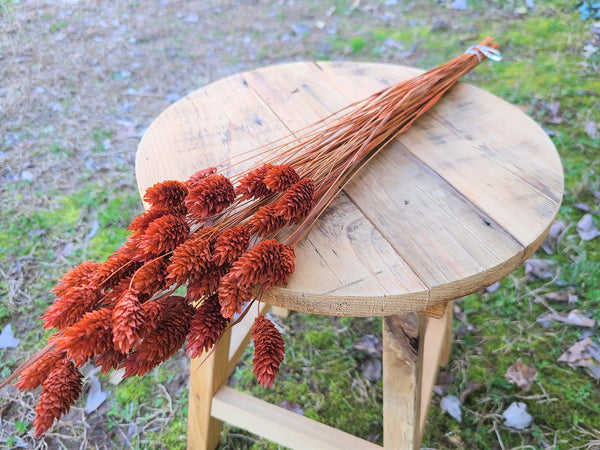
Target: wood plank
206,376
401,385
280,425
447,339
513,174
444,237
434,338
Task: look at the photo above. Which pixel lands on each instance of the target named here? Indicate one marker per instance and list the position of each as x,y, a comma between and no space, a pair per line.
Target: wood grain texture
451,206
206,377
280,425
401,380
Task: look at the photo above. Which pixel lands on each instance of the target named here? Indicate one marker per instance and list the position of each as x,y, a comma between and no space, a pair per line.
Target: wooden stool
453,205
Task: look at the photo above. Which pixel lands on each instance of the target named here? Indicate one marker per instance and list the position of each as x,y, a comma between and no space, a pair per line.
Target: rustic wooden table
453,205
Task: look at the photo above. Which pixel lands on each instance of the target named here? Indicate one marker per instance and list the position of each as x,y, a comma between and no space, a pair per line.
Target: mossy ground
68,193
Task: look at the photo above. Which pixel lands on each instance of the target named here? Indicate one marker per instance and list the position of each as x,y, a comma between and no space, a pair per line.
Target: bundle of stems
332,150
220,238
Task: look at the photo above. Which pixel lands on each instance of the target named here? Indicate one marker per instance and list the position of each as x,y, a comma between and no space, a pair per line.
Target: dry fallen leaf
521,374
551,241
585,208
574,317
372,369
591,130
584,353
116,376
7,338
516,416
539,268
471,387
443,382
451,404
594,371
96,395
493,287
586,228
370,344
458,313
568,295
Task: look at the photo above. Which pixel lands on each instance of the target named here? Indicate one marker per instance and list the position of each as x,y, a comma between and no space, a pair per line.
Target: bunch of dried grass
221,238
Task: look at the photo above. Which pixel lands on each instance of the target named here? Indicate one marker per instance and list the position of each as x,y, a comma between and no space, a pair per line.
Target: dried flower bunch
224,239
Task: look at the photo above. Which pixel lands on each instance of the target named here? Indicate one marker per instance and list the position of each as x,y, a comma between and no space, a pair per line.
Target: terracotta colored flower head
252,184
78,276
231,244
129,320
233,294
70,308
210,196
89,337
266,221
34,375
297,202
207,327
162,235
60,390
161,343
193,181
151,277
166,195
140,223
281,177
269,351
262,264
192,259
205,285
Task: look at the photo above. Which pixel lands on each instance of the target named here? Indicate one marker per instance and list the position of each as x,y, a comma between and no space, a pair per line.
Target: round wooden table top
451,206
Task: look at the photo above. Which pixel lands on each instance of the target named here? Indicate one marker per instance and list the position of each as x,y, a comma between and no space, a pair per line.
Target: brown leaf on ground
372,369
553,237
471,387
591,130
574,317
586,228
370,344
443,382
585,353
568,295
458,313
521,374
539,269
553,114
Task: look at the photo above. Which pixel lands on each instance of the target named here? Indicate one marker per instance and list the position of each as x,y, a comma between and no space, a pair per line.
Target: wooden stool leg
205,379
447,344
434,348
401,387
413,348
